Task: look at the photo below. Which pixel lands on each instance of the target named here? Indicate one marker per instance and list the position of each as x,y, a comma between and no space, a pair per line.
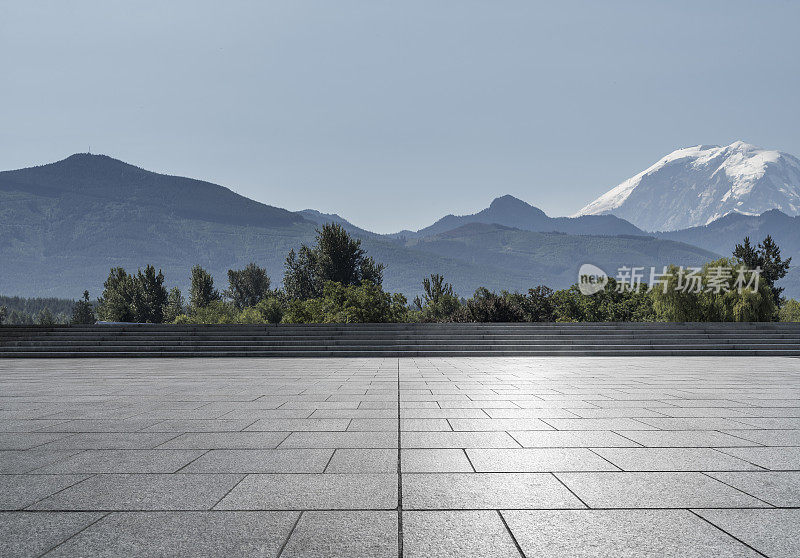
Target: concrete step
391,340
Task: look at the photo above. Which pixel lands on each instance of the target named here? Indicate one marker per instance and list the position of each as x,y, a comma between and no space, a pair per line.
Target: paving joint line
73,535
727,533
511,534
399,471
289,536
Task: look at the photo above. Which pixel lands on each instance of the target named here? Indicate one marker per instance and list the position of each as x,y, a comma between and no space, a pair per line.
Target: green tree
268,311
215,312
767,257
45,317
486,306
365,303
790,311
335,257
201,289
247,287
538,305
83,312
150,296
116,302
439,302
175,305
678,301
612,304
3,314
300,278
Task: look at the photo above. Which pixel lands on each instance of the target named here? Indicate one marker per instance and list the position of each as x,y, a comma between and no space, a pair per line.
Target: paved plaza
441,457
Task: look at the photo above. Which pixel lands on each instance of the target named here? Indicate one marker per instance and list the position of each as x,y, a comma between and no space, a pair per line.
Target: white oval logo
591,279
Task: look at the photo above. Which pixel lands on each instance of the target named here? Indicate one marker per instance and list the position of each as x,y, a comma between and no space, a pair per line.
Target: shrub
247,287
675,305
790,311
215,312
438,303
83,312
335,257
366,303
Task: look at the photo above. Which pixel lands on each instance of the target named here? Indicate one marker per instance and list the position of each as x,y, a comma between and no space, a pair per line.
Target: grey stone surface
655,490
344,534
685,439
24,534
673,459
142,492
123,461
771,532
20,491
456,534
313,492
531,460
363,461
485,491
341,440
27,440
781,489
261,461
572,439
225,440
620,534
435,461
219,457
110,440
13,461
159,534
774,459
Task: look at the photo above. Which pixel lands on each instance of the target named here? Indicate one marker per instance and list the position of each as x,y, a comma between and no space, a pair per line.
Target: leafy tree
609,305
175,305
538,305
215,312
268,311
486,306
248,286
116,302
438,302
675,303
45,317
336,257
767,257
201,289
150,296
3,314
365,303
790,311
300,278
83,312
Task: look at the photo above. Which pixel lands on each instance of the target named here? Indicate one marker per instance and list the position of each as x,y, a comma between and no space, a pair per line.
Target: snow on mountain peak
696,185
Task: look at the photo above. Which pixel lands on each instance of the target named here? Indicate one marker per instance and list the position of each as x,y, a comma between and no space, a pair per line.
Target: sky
393,114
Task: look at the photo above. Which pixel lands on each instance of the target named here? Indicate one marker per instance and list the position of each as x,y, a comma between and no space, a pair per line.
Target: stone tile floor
570,457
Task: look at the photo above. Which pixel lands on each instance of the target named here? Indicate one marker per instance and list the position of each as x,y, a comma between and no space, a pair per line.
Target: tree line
335,281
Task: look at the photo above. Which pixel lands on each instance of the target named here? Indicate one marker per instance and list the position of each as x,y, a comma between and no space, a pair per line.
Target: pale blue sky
396,113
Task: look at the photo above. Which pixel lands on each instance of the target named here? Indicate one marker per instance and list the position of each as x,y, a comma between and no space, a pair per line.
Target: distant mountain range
697,185
512,212
63,225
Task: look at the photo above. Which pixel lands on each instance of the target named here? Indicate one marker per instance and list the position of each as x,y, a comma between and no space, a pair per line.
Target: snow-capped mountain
694,186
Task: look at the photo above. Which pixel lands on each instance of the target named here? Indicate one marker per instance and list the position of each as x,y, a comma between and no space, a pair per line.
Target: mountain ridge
63,225
510,211
697,185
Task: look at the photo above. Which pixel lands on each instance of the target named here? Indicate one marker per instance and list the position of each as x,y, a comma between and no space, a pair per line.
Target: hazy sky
393,114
